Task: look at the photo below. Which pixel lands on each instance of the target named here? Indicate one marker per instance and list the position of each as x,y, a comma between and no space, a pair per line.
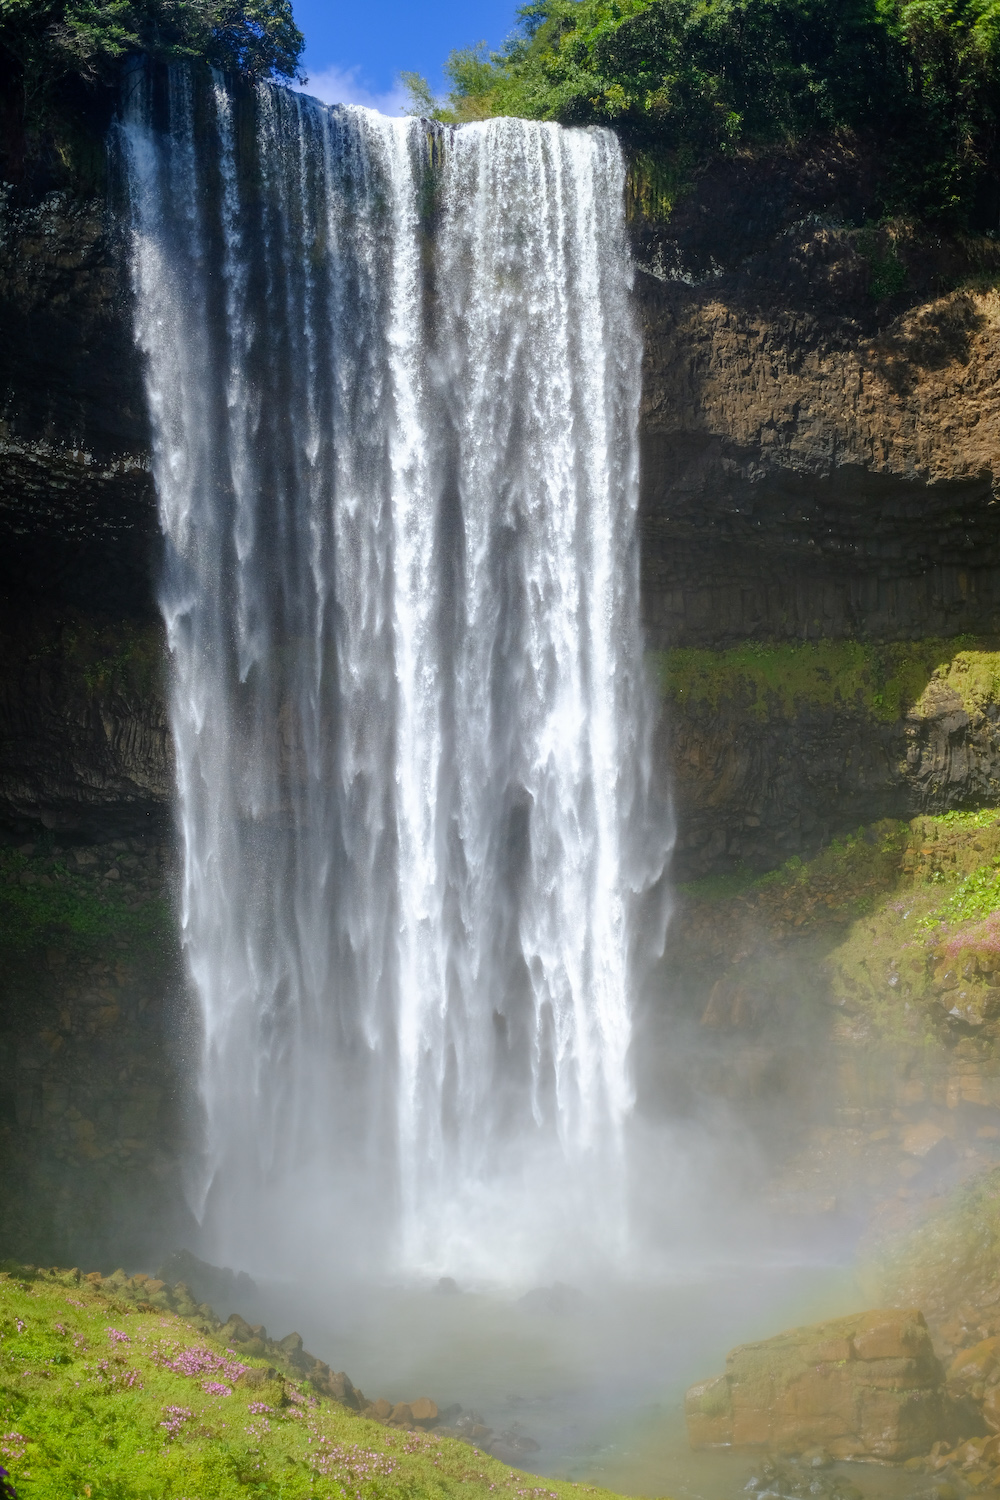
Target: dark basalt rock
816,462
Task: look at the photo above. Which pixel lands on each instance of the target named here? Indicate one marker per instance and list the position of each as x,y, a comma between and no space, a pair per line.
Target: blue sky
354,53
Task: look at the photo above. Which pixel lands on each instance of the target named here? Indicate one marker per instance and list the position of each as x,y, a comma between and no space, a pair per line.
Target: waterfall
393,377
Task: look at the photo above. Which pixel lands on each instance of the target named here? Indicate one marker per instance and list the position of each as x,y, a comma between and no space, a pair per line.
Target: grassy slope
90,1407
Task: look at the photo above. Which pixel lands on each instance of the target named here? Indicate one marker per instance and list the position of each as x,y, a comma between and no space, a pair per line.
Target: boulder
424,1410
866,1386
975,1365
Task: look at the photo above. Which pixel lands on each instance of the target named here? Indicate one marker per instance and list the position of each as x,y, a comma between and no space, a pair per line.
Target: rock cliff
821,427
820,445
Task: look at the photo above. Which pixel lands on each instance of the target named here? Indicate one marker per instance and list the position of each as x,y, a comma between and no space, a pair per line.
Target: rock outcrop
868,1386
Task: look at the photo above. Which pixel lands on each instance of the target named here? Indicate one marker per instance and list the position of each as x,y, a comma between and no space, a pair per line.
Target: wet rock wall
94,1037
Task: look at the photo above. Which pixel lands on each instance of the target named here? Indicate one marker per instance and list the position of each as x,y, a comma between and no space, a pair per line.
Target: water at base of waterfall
393,377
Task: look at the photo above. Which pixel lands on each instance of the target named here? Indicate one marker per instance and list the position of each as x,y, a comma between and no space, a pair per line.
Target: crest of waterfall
393,377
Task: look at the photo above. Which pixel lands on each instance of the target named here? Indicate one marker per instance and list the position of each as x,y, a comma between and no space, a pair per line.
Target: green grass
776,680
72,910
94,1405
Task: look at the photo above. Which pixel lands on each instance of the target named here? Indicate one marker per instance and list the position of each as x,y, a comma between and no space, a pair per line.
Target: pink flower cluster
176,1417
198,1360
357,1465
983,937
116,1336
296,1396
13,1444
215,1388
260,1408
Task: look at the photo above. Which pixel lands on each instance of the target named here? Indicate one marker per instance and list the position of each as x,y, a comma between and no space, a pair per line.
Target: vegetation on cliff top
105,1399
689,80
60,62
49,40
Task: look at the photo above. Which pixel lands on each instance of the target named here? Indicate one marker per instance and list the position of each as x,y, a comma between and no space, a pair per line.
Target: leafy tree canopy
50,41
696,78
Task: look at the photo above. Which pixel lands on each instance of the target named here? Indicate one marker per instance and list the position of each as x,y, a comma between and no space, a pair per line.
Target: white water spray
393,375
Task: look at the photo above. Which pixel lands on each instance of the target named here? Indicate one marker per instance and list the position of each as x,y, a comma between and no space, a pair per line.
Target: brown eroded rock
424,1409
973,1365
991,1408
921,1139
866,1386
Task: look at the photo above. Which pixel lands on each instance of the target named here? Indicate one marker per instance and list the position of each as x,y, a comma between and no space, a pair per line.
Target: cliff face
821,451
821,415
77,510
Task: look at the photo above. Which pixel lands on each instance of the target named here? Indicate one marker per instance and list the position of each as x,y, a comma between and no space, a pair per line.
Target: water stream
393,374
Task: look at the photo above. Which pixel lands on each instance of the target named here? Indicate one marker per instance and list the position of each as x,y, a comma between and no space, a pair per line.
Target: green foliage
60,62
891,904
90,1406
888,274
769,680
119,659
975,898
421,98
89,39
691,79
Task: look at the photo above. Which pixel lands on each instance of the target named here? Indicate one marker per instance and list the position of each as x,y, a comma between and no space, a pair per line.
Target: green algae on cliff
905,916
48,897
777,679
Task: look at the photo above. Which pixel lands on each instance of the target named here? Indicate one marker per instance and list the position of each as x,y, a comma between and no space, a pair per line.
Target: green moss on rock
45,900
778,680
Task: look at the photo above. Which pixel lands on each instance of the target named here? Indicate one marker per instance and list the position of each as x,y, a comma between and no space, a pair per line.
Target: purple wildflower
215,1388
198,1360
176,1417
